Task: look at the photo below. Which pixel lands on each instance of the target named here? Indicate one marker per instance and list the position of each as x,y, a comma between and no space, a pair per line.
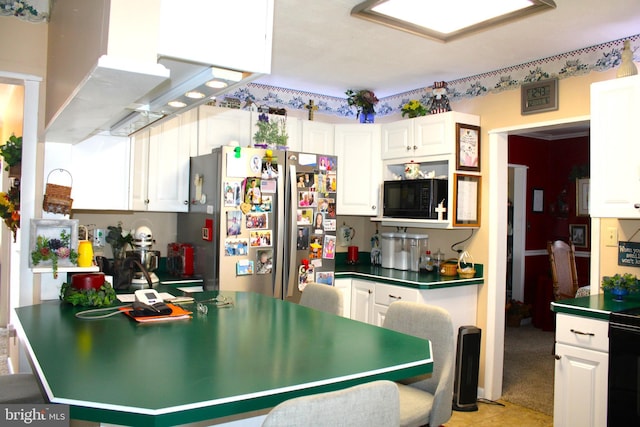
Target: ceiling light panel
446,21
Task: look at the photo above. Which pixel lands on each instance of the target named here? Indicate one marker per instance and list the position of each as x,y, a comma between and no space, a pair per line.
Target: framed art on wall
466,200
578,235
467,147
582,197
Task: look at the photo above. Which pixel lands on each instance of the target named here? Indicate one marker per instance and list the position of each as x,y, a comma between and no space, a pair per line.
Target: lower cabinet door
580,389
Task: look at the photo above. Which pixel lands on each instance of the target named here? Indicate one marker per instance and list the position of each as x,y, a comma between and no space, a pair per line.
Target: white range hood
113,65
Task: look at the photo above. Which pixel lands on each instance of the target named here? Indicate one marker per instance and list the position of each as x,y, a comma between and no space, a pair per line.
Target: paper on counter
191,289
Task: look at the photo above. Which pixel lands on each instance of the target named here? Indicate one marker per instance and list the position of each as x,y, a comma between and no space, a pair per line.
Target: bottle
438,259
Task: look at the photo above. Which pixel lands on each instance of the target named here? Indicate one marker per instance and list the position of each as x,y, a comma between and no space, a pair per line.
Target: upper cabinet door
318,137
359,169
397,139
434,134
219,126
615,152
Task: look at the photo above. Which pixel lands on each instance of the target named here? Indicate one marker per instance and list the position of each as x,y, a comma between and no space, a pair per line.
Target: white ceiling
318,47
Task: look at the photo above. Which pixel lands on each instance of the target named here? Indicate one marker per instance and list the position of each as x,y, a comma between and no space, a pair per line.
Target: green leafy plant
364,100
54,249
103,297
414,108
627,282
11,151
118,238
271,131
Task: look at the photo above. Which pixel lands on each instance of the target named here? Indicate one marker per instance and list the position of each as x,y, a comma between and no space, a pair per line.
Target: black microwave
414,198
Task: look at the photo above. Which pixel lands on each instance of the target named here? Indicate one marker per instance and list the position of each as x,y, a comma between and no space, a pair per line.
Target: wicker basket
466,272
57,198
449,267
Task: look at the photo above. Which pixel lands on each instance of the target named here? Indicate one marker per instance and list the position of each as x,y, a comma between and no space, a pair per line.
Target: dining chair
563,269
20,388
373,404
428,399
322,297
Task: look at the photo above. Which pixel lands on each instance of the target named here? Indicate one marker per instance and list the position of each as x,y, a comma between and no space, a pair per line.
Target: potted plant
119,240
10,209
620,285
364,100
11,151
413,109
271,132
52,249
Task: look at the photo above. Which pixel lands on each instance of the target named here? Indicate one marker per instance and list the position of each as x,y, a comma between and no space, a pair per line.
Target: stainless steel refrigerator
262,220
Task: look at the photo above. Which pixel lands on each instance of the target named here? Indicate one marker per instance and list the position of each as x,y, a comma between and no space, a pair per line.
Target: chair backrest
374,404
322,297
563,269
432,323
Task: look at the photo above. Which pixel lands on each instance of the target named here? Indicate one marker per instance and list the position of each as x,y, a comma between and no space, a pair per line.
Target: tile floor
491,414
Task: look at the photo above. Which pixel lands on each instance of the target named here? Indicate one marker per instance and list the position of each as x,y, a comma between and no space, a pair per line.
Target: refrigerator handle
278,278
292,275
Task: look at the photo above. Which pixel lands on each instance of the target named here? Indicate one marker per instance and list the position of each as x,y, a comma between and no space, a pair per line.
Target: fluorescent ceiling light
447,20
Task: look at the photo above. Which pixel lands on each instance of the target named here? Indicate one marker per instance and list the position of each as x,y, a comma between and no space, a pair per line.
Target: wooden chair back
563,269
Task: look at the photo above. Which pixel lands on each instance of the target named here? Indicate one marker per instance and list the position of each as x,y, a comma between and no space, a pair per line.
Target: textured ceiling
318,47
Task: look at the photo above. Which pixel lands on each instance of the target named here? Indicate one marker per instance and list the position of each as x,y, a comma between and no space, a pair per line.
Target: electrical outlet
611,237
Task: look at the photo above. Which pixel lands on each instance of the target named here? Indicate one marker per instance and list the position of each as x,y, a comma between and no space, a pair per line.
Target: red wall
551,165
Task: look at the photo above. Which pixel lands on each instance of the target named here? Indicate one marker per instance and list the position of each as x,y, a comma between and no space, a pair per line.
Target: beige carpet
529,368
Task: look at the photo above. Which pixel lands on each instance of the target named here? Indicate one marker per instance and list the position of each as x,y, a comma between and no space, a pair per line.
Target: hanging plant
11,151
10,209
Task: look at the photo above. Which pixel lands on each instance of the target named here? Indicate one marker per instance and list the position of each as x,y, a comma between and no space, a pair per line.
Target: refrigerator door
310,241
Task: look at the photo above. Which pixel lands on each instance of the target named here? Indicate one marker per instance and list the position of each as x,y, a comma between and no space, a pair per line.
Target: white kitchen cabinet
344,285
160,167
359,169
615,154
581,371
430,135
362,300
217,126
318,137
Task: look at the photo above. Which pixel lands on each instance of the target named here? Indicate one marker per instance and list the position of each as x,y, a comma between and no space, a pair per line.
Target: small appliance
148,258
180,259
414,198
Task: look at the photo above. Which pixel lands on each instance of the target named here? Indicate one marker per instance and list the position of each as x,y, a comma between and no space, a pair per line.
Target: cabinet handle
394,297
370,291
637,206
408,148
590,334
557,357
186,202
373,208
146,201
415,147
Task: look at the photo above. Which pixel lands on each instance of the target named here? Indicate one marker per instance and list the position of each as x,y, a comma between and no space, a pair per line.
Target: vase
619,294
367,117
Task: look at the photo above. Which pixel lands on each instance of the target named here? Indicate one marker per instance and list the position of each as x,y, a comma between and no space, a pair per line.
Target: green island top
595,306
229,361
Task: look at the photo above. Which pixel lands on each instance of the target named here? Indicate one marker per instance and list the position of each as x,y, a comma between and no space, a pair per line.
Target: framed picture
467,147
52,238
537,204
578,235
582,197
540,96
466,200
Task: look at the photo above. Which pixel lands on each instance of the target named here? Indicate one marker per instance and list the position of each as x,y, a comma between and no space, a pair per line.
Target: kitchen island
224,363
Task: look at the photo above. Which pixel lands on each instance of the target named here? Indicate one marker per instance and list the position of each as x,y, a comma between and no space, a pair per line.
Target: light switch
611,237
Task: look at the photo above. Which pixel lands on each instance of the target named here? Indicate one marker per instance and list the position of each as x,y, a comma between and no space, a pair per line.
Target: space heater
465,386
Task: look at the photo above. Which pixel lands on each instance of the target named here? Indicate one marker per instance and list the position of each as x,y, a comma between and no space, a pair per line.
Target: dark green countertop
419,280
595,306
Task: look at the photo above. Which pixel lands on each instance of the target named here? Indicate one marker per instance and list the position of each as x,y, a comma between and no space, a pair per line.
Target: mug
352,255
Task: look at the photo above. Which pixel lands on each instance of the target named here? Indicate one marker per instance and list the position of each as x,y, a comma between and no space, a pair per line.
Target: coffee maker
148,258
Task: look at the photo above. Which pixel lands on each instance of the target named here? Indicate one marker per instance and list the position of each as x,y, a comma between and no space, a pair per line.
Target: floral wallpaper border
579,62
22,9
